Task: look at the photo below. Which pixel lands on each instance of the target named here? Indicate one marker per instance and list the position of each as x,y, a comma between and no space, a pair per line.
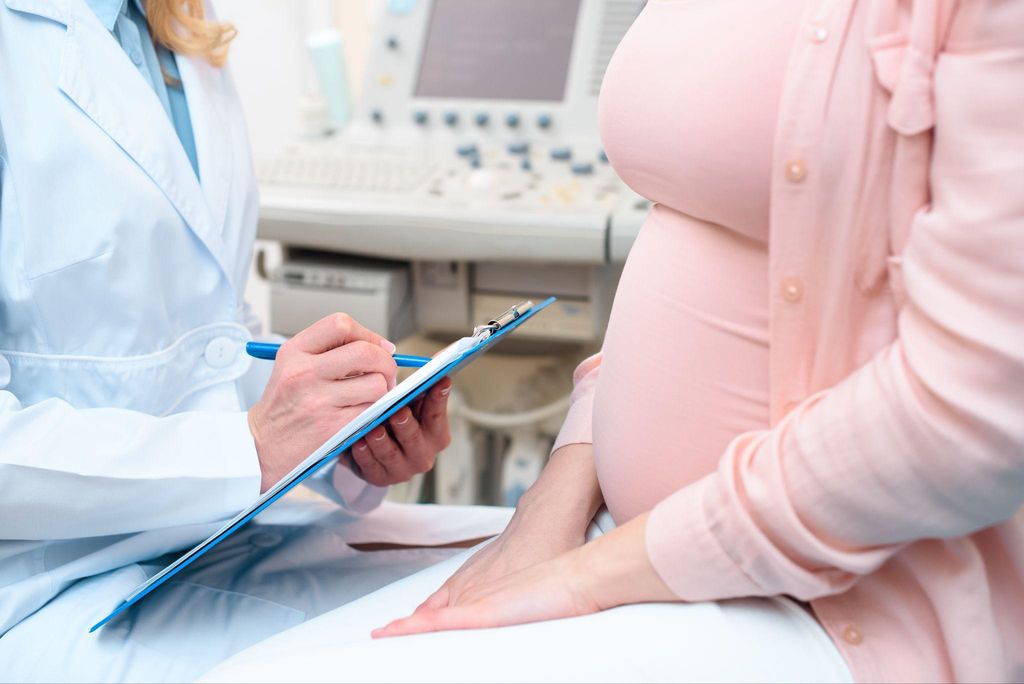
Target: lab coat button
792,290
265,540
852,635
221,352
5,372
796,171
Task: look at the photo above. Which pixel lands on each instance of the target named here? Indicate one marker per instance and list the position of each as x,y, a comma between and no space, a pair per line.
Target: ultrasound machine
471,176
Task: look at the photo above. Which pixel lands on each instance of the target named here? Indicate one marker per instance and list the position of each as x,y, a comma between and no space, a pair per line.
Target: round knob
512,120
482,119
377,115
451,118
392,42
544,121
421,117
526,164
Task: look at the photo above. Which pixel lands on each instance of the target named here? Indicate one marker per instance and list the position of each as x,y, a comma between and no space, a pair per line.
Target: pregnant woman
810,388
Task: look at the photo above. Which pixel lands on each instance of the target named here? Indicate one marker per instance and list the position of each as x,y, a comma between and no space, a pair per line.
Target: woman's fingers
469,617
439,599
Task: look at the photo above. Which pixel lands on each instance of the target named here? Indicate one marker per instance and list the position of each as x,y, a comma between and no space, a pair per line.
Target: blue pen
268,351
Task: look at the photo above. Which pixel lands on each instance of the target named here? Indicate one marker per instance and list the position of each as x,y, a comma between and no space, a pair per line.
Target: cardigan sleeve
578,423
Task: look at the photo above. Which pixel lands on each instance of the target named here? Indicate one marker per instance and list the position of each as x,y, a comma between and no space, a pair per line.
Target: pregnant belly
685,363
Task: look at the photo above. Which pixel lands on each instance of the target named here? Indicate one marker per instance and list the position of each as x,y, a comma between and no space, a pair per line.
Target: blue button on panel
392,42
467,150
451,118
603,156
582,168
377,115
526,164
561,153
475,162
519,147
544,120
482,119
421,117
512,120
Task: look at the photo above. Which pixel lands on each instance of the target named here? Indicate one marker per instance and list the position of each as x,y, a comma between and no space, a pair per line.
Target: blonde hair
181,26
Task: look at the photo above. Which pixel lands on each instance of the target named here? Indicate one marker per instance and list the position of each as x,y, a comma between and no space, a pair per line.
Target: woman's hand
323,377
611,571
410,443
552,518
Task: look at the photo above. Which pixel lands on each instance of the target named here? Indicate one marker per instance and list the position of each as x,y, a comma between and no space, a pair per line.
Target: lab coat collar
107,10
94,74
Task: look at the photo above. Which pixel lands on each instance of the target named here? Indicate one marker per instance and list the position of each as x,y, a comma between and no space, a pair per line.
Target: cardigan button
852,635
817,33
792,290
796,171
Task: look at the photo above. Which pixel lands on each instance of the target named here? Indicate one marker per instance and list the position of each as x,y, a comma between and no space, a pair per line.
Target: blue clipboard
488,334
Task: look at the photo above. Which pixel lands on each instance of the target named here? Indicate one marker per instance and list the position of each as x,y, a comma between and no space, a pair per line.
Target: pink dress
812,374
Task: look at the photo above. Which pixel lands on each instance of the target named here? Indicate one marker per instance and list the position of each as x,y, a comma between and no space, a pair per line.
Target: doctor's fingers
369,468
400,459
333,331
356,358
361,390
433,414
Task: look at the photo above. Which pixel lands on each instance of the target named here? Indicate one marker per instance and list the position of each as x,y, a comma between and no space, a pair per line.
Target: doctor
127,217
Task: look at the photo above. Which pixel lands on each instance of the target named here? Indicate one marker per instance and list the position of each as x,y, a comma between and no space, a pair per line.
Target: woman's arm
924,441
553,515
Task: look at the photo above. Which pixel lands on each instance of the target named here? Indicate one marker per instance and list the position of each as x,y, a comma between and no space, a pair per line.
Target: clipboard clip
495,324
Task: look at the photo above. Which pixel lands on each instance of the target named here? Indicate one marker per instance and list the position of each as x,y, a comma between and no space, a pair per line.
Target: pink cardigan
888,490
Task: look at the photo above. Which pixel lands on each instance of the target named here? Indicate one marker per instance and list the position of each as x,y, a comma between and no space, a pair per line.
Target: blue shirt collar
108,10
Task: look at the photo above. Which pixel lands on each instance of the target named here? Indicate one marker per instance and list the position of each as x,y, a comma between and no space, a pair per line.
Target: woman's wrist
615,569
567,494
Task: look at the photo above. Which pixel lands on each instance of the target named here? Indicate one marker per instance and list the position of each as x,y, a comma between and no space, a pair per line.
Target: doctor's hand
409,444
323,377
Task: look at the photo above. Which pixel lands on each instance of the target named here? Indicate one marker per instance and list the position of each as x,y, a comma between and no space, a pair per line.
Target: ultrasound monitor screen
498,49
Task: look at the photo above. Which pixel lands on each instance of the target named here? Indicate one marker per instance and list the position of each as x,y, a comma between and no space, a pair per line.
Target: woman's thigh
748,640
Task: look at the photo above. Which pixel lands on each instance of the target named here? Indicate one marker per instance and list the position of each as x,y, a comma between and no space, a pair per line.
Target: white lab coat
122,326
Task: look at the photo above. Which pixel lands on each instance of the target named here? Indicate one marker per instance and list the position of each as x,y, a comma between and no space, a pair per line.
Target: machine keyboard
349,173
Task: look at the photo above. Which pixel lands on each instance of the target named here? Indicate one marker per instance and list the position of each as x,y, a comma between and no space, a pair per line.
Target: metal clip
494,325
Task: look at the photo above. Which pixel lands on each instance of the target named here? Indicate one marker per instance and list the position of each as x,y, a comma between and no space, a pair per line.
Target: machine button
221,352
544,121
512,120
519,147
482,119
467,150
602,156
421,117
582,168
377,116
5,372
561,153
451,118
474,162
392,42
526,164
